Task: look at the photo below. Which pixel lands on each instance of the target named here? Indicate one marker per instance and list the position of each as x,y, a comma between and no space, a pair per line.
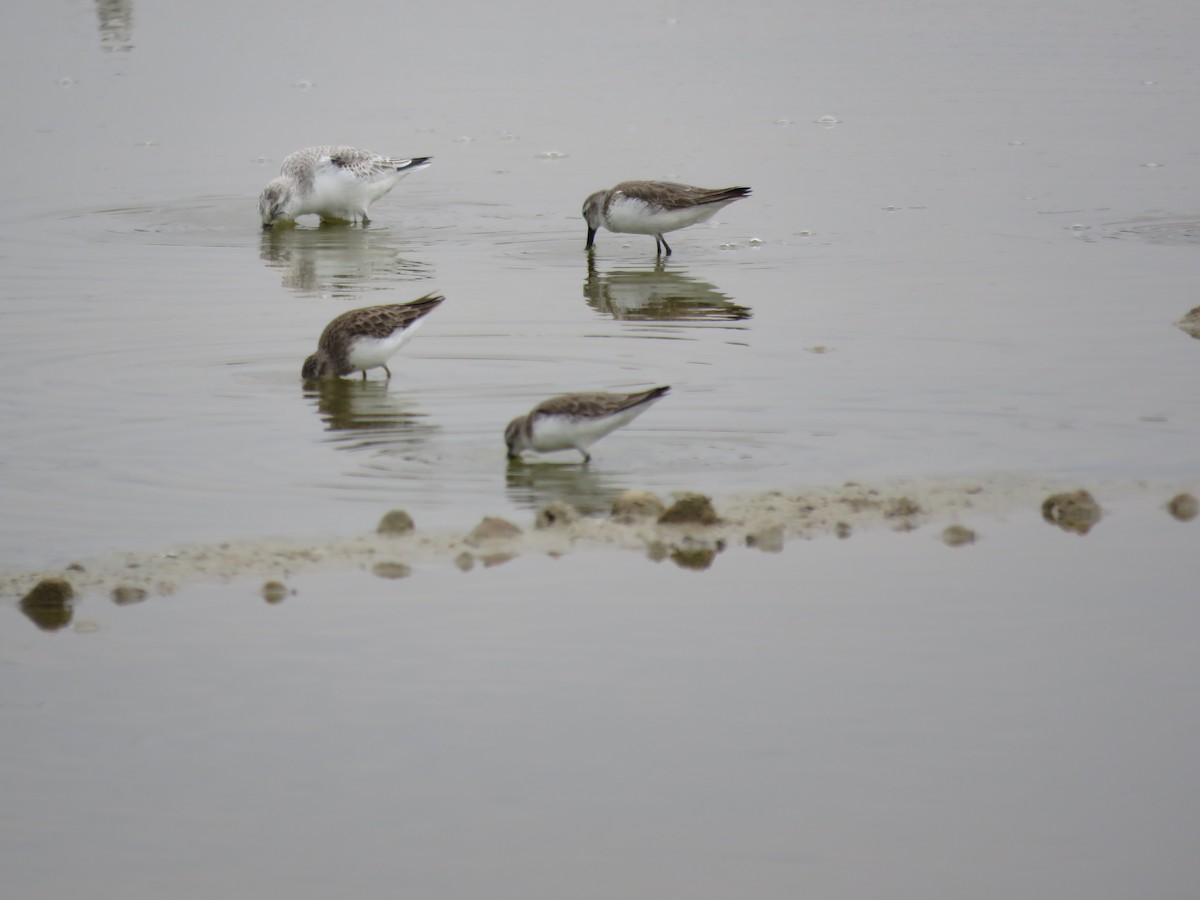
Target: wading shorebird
654,207
333,182
367,338
576,421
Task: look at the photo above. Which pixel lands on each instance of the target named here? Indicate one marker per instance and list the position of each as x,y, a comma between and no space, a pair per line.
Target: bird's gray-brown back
375,321
594,405
671,195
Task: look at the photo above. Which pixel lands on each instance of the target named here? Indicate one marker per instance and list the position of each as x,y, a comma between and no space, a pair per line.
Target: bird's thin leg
389,373
658,245
364,374
587,457
666,246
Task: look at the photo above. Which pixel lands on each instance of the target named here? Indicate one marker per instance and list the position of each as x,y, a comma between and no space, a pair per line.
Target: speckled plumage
366,338
654,207
332,182
576,421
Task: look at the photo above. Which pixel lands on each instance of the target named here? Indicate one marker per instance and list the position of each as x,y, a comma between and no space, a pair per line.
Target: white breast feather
369,353
628,215
564,432
338,190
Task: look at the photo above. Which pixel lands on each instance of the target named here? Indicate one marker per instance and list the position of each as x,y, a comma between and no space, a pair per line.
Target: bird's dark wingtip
430,300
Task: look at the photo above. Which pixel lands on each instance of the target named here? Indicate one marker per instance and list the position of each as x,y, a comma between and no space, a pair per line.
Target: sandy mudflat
764,520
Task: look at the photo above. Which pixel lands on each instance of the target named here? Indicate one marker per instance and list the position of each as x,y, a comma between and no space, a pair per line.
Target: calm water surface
1017,718
973,228
976,268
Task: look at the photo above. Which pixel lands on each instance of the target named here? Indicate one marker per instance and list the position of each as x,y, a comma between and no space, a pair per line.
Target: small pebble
492,529
391,570
1073,511
1183,507
127,595
274,591
1190,323
50,592
957,536
49,605
395,523
690,509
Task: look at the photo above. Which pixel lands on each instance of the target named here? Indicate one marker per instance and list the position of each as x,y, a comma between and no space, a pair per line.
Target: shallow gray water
1016,718
972,231
977,268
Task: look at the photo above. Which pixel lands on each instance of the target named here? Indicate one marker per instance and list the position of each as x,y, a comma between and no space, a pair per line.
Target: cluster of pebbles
688,531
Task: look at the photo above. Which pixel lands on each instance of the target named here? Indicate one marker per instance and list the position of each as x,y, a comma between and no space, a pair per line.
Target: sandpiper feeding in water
576,421
654,207
367,338
333,182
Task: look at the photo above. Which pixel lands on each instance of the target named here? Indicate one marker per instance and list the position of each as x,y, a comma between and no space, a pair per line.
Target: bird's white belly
371,353
629,216
564,432
341,194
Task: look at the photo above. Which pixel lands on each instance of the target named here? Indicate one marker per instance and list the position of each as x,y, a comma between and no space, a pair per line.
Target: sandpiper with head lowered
332,182
576,421
654,207
367,338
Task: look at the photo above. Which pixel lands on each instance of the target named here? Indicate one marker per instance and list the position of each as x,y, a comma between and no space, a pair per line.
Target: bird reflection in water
116,25
337,260
365,415
534,485
658,294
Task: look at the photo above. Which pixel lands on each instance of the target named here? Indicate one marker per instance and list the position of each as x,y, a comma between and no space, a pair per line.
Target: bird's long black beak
591,237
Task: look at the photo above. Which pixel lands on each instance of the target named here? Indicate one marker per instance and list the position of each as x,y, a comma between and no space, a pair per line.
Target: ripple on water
202,221
1170,231
328,260
366,254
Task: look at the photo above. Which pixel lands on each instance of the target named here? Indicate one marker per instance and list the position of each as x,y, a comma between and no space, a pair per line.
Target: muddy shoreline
766,521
